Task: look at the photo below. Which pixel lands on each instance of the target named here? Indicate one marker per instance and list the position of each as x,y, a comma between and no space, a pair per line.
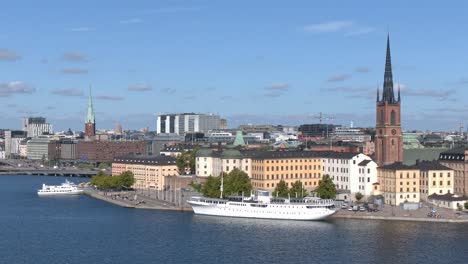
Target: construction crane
320,116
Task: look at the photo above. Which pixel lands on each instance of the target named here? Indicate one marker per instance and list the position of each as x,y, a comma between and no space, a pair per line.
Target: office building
187,123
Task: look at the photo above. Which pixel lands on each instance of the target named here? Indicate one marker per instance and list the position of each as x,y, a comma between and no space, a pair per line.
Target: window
393,118
382,119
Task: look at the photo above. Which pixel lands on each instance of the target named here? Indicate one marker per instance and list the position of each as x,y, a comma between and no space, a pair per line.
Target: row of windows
287,161
268,185
434,175
441,183
286,176
282,168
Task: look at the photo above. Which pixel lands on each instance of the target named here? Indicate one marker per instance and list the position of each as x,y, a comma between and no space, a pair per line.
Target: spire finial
378,93
399,98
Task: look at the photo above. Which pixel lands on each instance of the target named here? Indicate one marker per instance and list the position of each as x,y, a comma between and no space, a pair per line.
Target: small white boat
65,188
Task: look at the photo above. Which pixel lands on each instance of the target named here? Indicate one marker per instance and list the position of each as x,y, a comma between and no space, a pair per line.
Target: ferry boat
65,188
263,206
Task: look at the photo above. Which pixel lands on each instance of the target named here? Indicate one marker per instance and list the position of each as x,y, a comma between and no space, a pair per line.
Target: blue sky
279,62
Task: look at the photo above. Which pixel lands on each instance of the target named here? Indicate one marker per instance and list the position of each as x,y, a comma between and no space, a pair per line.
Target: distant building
13,139
350,134
213,163
149,172
64,150
107,151
36,126
435,179
399,183
351,172
223,124
118,129
38,148
316,130
457,159
186,123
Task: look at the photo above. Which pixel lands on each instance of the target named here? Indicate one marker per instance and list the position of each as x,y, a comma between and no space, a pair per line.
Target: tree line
235,182
105,181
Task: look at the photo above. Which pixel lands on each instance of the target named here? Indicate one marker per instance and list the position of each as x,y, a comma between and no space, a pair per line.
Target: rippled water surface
79,229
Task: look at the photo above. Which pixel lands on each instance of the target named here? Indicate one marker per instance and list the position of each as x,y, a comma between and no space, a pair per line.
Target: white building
12,142
187,122
38,148
36,126
213,163
351,172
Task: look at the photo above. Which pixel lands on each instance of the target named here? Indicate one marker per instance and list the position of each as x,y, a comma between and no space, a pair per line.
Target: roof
456,151
398,166
431,165
364,162
147,160
457,155
231,153
286,154
447,197
339,155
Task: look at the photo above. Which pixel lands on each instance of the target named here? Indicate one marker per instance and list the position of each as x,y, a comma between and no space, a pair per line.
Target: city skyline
246,60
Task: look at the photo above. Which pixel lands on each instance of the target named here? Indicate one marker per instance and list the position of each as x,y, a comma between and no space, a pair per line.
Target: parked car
350,208
362,209
344,206
355,208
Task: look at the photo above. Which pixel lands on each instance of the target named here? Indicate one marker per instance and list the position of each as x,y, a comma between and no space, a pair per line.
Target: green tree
125,179
298,190
358,196
84,166
196,186
211,187
466,205
281,189
186,161
326,188
104,165
236,182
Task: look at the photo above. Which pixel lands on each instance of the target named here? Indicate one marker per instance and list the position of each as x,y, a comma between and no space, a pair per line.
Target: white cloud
15,87
140,87
74,56
81,29
331,26
338,78
348,28
74,71
131,21
9,55
109,97
68,92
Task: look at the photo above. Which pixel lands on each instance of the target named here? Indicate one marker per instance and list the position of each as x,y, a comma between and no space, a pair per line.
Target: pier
49,172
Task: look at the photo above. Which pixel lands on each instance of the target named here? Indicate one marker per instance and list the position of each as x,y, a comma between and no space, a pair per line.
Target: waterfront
80,229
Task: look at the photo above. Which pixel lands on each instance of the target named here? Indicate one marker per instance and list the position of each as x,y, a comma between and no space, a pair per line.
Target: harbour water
80,229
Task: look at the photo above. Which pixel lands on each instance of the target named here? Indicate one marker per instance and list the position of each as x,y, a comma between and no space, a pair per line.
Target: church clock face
393,131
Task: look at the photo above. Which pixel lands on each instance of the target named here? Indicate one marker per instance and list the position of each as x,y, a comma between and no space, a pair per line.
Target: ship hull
271,211
59,193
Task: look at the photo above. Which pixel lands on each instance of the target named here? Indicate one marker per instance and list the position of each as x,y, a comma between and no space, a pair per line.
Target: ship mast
221,187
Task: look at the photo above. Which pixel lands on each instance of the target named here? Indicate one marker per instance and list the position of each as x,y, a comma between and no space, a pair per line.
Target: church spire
90,115
388,94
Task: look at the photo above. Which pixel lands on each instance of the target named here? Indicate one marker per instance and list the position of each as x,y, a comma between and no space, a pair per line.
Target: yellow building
435,179
399,183
149,172
269,168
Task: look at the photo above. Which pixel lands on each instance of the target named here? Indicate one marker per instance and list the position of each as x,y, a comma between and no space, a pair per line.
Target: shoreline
97,195
129,204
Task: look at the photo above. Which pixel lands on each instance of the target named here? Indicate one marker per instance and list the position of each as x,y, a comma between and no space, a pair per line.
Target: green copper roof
239,140
90,115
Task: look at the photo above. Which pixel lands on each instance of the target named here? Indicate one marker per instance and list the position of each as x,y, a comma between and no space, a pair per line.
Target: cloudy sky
279,62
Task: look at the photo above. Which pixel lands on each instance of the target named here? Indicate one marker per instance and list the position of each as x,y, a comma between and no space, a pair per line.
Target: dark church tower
388,137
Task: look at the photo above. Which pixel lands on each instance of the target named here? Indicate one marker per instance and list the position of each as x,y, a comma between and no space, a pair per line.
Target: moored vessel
65,188
263,206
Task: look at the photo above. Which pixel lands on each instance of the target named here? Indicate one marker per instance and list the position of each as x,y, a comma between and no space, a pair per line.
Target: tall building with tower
389,138
90,122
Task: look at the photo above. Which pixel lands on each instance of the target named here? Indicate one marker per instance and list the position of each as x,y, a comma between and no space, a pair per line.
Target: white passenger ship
65,188
263,206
